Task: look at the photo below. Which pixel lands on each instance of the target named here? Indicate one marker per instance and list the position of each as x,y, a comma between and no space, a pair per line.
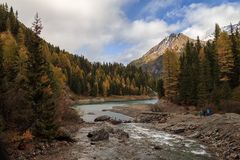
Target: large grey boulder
177,130
98,135
102,118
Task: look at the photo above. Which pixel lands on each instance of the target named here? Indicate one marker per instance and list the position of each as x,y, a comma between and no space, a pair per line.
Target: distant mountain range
152,60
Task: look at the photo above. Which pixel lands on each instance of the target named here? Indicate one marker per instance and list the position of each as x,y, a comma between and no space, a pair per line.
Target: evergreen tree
37,25
41,89
2,75
217,32
235,40
2,87
204,86
170,74
211,58
160,88
189,75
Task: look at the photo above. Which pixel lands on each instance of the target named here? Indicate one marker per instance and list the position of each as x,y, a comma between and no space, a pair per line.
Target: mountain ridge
152,60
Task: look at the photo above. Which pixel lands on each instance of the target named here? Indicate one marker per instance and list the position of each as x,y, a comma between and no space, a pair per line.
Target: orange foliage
27,135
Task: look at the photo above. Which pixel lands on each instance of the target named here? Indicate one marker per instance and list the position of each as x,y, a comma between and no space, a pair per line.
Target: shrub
230,106
27,135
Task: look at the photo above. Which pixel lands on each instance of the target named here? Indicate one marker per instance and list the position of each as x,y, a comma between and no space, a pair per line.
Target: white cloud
79,24
200,18
90,25
153,6
74,24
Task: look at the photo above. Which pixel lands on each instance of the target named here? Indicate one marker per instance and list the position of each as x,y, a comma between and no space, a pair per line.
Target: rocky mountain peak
151,61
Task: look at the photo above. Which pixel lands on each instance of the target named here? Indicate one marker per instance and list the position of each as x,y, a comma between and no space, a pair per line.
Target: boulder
98,135
64,135
102,118
195,135
121,134
157,147
115,122
177,130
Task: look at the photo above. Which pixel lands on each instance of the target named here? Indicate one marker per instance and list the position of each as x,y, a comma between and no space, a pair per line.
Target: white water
175,143
142,137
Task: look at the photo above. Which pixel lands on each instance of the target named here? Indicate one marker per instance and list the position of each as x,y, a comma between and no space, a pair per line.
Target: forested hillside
205,76
33,73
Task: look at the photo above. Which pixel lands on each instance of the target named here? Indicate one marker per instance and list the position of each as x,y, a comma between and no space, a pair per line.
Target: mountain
152,60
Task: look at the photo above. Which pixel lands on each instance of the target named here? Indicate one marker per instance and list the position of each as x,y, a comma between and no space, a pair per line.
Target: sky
123,30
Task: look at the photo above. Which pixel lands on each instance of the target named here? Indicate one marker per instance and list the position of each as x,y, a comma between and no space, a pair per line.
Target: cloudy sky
123,30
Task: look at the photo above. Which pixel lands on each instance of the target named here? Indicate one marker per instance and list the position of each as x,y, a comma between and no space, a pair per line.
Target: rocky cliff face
152,60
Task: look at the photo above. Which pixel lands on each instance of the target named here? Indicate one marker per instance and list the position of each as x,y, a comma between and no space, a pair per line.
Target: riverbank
220,132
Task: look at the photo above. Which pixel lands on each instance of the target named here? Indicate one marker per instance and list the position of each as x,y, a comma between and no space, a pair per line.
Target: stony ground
220,132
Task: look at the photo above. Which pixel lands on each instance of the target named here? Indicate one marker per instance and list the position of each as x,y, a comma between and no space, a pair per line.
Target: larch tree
225,56
170,73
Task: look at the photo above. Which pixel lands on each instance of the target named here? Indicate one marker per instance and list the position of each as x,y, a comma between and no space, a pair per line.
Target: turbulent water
143,139
171,146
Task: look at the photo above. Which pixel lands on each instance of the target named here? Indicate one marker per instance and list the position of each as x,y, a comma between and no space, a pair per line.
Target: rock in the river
157,147
98,135
195,135
177,130
115,122
102,118
121,134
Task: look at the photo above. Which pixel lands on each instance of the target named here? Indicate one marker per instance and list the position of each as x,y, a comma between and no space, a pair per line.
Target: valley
102,98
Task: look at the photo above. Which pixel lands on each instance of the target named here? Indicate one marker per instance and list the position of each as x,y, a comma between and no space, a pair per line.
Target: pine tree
204,86
37,25
160,88
3,17
225,56
41,89
235,40
217,32
2,75
211,57
2,87
189,75
170,74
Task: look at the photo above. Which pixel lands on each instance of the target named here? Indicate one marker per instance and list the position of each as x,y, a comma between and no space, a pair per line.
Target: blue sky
123,30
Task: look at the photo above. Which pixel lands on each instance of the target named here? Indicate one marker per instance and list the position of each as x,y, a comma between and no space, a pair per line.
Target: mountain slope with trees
209,74
34,74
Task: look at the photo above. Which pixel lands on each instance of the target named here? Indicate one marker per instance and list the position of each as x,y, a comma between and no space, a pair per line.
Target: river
143,138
